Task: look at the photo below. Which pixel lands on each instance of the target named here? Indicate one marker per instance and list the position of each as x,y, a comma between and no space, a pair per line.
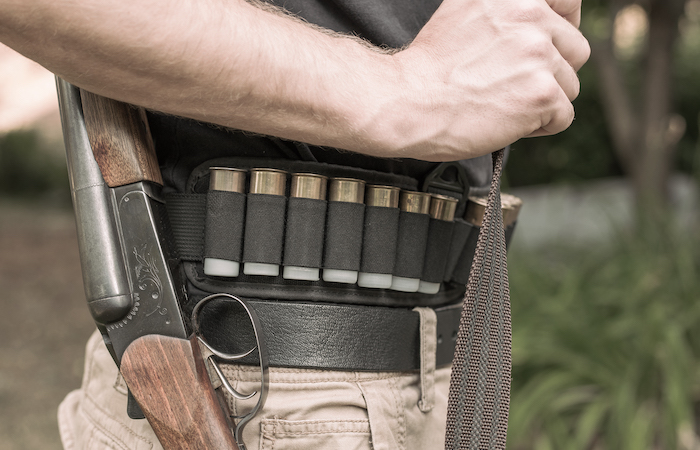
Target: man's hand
484,73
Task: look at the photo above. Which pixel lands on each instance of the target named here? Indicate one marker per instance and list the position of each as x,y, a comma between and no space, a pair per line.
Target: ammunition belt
240,214
365,228
235,212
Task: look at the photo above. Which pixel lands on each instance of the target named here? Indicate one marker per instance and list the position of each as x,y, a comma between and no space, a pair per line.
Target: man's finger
571,44
568,9
568,80
561,119
558,119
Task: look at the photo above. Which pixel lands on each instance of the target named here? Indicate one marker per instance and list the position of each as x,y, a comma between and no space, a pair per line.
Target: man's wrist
401,118
374,115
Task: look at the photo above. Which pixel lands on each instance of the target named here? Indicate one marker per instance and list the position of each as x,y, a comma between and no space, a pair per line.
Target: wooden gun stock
168,378
120,140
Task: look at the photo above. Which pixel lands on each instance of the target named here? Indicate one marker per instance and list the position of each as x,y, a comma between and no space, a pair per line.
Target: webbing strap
187,214
477,411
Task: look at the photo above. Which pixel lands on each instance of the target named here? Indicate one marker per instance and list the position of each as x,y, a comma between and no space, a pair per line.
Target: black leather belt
330,336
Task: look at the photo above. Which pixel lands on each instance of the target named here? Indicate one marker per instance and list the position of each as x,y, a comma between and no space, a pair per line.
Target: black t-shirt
184,144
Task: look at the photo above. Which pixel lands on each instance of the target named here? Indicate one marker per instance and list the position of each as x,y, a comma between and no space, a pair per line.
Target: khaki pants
305,409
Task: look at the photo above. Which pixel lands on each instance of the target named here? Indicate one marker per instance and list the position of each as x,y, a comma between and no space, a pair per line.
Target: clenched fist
484,73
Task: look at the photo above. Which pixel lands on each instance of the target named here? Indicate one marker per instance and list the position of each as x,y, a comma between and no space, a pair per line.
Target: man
432,82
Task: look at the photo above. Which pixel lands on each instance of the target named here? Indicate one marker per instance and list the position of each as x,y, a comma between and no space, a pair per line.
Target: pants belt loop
428,347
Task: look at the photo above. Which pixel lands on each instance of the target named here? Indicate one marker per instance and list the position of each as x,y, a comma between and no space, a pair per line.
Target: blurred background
604,267
44,323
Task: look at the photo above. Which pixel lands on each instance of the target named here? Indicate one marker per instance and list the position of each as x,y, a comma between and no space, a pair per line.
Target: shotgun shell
476,209
347,190
311,186
308,185
415,203
442,208
343,190
225,179
510,204
382,197
269,182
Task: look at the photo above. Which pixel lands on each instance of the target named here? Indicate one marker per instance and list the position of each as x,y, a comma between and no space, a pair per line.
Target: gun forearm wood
168,378
120,140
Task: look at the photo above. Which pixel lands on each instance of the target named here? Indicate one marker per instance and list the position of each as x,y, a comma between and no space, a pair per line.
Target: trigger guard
262,354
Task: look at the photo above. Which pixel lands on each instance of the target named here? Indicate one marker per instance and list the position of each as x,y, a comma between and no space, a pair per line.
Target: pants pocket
280,434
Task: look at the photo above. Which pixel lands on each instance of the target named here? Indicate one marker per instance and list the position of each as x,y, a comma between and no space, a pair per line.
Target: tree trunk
642,125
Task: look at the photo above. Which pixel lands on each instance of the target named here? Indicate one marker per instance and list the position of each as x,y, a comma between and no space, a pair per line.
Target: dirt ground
44,323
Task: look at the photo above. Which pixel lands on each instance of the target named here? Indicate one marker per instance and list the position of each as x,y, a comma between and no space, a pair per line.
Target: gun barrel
104,270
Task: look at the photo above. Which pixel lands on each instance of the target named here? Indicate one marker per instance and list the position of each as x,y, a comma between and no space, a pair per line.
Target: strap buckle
449,178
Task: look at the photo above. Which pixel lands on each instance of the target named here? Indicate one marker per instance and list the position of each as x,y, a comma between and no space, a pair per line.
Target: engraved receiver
131,279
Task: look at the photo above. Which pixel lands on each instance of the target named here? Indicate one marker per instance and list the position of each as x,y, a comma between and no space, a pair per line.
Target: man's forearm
225,62
480,75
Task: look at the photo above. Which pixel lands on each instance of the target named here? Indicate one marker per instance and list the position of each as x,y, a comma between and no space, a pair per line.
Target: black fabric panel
186,212
391,23
344,227
223,232
464,265
439,238
264,228
460,235
379,241
306,221
411,244
183,145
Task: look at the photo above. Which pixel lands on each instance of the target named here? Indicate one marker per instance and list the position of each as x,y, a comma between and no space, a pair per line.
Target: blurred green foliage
31,169
606,346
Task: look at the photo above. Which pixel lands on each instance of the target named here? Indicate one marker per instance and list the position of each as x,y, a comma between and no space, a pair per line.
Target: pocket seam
277,427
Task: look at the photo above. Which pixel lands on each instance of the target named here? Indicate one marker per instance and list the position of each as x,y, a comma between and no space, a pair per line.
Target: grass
606,346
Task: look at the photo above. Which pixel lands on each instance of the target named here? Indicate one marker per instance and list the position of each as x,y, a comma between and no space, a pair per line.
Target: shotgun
133,283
